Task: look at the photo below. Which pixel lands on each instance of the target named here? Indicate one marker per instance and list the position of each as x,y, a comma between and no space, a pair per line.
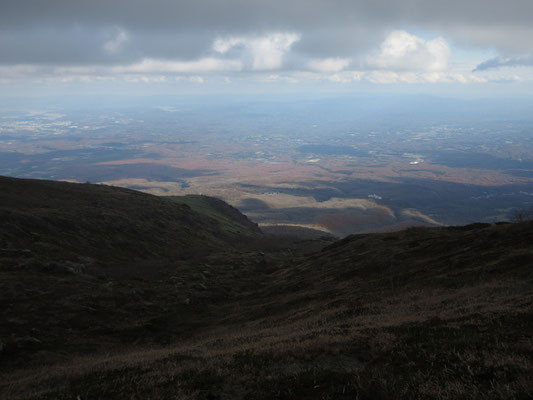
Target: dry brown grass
439,313
370,349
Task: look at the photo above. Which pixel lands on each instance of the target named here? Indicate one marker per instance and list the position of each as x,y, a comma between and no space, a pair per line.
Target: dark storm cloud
246,14
75,44
499,62
82,32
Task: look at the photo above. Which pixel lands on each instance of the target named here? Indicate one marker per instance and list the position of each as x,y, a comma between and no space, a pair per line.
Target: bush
521,214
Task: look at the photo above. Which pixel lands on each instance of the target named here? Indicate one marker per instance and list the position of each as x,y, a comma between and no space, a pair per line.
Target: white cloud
432,77
284,78
346,77
193,79
271,78
262,52
147,70
149,79
20,71
224,45
329,64
401,58
145,78
382,77
402,51
204,65
409,77
468,78
114,45
389,77
460,78
196,79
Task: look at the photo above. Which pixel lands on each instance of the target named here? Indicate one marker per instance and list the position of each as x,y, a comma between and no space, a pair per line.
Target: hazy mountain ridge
421,313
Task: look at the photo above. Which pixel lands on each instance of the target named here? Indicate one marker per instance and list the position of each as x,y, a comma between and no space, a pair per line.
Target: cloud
73,31
147,70
402,51
329,64
391,77
297,40
263,52
382,77
154,66
346,77
193,79
115,44
433,77
500,62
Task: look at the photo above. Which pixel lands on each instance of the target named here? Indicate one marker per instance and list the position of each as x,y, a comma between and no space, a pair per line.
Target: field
340,172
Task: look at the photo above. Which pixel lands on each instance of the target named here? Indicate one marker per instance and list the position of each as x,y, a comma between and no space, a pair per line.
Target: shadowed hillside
107,222
111,293
229,218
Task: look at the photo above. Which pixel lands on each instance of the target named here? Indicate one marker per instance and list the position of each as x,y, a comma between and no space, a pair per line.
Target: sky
177,46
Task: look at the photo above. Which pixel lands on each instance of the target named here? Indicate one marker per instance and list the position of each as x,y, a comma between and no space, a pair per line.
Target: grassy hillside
422,313
103,222
229,218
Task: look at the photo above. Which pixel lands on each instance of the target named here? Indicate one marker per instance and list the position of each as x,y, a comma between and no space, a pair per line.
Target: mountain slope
86,267
106,223
422,313
229,218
